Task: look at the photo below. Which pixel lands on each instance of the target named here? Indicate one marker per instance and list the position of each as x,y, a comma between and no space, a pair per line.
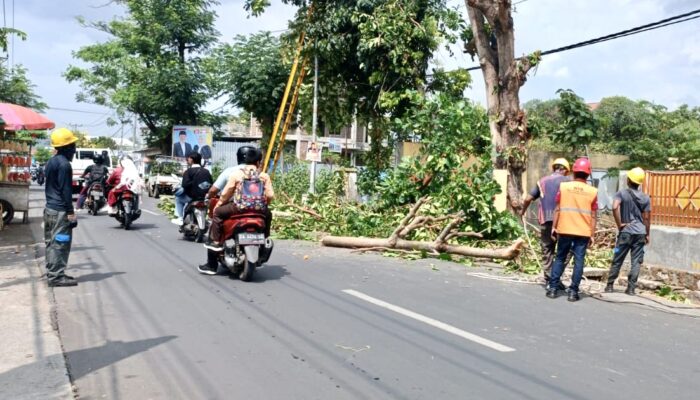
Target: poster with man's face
187,139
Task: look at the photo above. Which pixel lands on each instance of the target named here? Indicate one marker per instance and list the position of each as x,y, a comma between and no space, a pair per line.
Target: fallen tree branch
306,210
405,221
442,237
453,235
505,253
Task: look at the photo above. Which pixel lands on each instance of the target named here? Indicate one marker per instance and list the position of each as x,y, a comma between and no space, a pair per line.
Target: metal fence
675,198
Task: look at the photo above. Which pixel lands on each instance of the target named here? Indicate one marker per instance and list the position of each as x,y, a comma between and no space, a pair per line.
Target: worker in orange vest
573,226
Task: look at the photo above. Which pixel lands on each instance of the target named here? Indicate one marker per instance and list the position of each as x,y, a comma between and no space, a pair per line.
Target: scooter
245,247
95,198
127,208
195,224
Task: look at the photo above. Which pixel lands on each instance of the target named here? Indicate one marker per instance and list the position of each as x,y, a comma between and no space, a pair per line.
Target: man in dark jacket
59,216
96,172
196,181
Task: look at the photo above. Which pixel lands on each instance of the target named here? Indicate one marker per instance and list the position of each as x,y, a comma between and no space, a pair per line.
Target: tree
16,88
254,76
578,125
6,32
153,66
372,54
491,37
42,155
104,142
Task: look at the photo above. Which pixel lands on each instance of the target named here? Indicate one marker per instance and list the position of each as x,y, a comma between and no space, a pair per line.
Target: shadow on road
270,273
97,276
137,227
85,361
16,383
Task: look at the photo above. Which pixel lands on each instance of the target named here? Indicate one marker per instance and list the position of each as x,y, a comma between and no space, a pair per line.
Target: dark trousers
549,250
565,245
58,236
626,243
221,214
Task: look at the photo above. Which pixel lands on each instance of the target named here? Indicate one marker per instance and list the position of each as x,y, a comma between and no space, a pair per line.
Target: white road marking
149,211
432,322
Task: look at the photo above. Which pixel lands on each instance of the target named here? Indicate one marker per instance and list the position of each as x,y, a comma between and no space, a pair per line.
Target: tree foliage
42,155
254,73
4,36
103,142
649,134
372,55
153,65
16,88
578,125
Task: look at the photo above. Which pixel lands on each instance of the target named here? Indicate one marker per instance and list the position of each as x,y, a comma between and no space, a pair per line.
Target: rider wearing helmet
574,224
96,172
249,158
546,191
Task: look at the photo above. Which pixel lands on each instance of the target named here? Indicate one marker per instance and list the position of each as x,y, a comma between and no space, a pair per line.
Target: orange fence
675,198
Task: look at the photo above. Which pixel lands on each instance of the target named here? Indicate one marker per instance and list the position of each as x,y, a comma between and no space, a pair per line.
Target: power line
77,111
628,32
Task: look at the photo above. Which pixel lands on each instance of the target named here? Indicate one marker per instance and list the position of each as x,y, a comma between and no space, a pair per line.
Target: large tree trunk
503,75
507,253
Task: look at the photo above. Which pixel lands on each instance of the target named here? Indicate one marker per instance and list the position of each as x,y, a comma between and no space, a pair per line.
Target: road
322,323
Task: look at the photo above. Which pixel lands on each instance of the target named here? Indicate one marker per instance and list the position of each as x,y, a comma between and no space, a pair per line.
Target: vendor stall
16,138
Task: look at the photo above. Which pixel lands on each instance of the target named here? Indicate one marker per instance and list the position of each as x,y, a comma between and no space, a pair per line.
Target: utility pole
134,133
314,122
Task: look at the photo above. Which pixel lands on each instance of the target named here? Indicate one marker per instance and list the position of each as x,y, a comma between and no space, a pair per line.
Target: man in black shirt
196,182
59,216
96,172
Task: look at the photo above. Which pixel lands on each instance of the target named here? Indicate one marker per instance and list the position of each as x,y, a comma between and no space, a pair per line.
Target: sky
662,66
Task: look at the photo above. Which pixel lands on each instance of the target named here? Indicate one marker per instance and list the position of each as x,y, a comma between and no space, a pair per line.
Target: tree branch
442,237
411,214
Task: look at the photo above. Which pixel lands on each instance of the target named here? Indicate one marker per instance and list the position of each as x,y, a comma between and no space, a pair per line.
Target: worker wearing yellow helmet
632,212
546,191
59,216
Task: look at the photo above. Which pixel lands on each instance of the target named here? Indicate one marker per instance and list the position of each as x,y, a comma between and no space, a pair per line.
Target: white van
83,158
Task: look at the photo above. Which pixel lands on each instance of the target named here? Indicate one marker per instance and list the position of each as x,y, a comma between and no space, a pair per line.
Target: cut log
506,253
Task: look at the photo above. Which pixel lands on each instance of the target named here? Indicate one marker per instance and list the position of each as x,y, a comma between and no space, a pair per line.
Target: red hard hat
582,165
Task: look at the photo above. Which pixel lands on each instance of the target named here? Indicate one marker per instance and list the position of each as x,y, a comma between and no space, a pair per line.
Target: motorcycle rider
96,172
125,177
249,157
195,183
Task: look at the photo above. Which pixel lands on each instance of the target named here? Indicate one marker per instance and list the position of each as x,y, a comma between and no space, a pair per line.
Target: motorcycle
95,198
246,247
40,177
127,208
195,225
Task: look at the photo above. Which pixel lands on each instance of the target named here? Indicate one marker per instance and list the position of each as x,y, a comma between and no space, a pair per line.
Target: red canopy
18,118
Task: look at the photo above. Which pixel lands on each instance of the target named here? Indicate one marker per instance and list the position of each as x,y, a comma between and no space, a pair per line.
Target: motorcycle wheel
200,236
94,207
127,221
248,271
156,192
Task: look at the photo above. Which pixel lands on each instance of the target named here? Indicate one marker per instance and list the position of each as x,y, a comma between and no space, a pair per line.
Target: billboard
313,152
193,138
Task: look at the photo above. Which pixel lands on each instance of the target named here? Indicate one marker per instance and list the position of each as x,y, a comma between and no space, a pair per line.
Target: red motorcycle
245,247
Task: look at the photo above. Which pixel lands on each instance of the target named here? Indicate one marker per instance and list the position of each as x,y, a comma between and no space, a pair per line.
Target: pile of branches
444,228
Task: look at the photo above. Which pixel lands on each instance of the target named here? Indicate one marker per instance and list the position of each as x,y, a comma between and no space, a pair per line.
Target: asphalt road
320,323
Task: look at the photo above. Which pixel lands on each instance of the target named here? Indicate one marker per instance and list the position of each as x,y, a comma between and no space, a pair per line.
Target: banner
192,138
334,146
313,152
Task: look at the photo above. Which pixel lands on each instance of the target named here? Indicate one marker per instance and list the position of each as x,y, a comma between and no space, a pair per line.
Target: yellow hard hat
636,175
62,137
562,162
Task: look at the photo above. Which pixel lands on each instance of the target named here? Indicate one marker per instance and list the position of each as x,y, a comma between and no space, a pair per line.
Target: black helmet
99,159
248,155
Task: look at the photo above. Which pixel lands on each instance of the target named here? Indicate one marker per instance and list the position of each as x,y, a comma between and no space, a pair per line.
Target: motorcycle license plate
251,238
96,194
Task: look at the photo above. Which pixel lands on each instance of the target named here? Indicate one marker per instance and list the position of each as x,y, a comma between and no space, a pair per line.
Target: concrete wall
674,247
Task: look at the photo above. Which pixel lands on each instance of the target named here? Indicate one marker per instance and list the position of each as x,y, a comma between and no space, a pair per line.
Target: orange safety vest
575,211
